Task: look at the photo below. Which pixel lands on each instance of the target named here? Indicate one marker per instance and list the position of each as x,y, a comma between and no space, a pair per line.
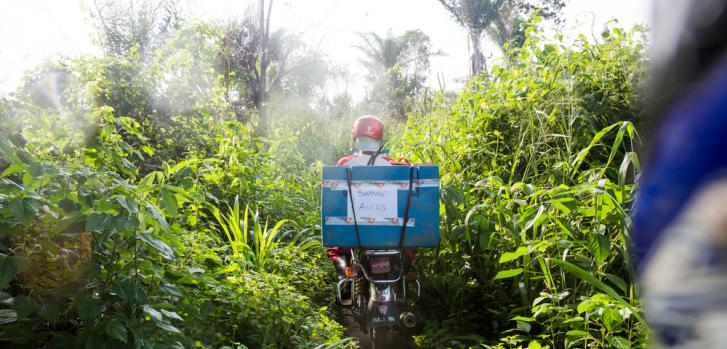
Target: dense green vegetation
139,207
538,165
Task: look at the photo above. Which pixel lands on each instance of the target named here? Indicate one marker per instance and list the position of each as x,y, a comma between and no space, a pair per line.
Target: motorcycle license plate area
384,314
379,196
380,265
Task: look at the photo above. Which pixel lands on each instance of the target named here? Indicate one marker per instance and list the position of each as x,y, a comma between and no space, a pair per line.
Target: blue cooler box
379,200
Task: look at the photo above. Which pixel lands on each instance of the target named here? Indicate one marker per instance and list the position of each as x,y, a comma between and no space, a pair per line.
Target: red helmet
368,126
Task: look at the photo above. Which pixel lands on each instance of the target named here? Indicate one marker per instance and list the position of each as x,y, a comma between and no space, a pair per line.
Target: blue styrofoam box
423,227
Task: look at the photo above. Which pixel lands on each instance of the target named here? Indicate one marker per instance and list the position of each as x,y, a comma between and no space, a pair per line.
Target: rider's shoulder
400,161
344,160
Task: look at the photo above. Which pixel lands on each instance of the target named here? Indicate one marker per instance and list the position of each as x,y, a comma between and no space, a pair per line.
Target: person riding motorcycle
368,134
680,217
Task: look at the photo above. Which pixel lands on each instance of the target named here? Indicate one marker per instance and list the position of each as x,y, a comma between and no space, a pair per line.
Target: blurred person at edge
368,134
680,216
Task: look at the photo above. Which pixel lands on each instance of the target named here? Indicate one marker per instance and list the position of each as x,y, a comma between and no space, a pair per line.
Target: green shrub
536,186
97,254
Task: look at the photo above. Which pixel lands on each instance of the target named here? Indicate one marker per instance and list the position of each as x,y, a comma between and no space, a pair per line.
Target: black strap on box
402,235
353,208
372,159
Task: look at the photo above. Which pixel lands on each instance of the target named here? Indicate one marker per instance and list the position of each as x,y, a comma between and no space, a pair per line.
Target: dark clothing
689,150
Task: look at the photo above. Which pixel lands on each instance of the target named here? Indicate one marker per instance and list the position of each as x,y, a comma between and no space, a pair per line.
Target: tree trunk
262,93
478,59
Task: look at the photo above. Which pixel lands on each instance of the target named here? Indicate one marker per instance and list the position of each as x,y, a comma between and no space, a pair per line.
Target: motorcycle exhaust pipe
408,319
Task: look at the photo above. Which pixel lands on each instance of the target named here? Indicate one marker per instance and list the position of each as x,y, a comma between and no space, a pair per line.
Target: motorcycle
379,283
375,280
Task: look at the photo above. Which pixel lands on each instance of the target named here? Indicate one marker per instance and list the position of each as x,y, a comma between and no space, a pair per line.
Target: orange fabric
342,161
401,161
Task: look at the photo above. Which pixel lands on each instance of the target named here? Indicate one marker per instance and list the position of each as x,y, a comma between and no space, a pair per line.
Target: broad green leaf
611,319
158,216
89,309
98,222
534,345
24,306
619,282
128,203
167,327
504,274
68,205
153,313
171,289
147,182
619,342
6,148
13,169
49,312
23,209
577,333
584,306
600,247
172,315
523,326
192,220
129,291
116,329
590,279
573,319
509,256
7,271
125,223
149,151
169,200
159,245
522,318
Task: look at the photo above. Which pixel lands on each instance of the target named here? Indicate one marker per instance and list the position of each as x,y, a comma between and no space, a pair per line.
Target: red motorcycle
381,291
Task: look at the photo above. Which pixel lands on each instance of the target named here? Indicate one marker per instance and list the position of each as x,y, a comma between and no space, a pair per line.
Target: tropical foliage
139,207
397,69
538,166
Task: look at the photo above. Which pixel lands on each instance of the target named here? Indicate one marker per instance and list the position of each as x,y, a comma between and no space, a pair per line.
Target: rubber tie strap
402,235
353,208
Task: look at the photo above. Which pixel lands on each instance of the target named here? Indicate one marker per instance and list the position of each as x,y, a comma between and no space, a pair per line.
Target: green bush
536,185
134,215
97,254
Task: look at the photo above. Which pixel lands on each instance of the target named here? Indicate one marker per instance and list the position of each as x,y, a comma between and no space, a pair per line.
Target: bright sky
33,30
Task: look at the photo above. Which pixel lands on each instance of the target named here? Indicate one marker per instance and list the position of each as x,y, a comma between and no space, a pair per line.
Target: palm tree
475,16
397,67
504,20
515,16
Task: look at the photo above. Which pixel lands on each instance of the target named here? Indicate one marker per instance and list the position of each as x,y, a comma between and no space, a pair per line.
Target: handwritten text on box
372,201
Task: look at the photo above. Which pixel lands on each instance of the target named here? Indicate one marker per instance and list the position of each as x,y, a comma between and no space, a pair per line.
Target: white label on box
373,201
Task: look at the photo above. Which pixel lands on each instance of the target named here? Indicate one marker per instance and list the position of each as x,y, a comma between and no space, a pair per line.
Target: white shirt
363,160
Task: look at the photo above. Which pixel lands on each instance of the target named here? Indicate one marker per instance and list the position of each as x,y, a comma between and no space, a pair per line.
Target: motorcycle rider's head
368,132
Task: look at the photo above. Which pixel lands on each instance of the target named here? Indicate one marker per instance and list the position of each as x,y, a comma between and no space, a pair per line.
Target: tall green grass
538,168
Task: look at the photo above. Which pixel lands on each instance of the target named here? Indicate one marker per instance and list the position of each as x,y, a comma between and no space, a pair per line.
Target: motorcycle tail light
350,272
380,265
